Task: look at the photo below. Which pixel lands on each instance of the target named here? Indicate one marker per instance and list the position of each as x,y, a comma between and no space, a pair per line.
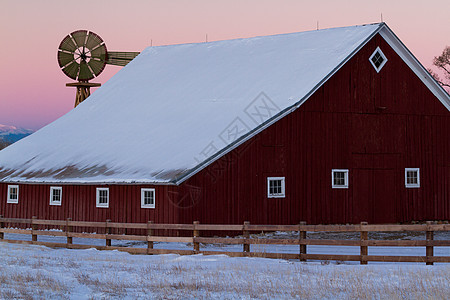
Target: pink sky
32,87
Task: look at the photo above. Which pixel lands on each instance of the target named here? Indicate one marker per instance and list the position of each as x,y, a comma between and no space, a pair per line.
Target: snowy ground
31,271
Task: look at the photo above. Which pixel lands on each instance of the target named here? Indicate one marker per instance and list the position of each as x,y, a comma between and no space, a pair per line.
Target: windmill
82,55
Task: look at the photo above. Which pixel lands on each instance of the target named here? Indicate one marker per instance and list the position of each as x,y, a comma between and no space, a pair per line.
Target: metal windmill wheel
82,55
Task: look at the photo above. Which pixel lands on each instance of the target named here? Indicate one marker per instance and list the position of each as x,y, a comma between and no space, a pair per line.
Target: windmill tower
82,55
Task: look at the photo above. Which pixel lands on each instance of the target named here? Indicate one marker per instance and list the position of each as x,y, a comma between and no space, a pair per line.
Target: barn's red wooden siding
79,203
374,124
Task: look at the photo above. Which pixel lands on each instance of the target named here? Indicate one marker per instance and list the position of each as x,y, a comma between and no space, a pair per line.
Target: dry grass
296,281
114,275
31,286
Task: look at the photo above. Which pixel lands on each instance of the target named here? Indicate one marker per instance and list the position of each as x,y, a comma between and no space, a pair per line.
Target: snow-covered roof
175,109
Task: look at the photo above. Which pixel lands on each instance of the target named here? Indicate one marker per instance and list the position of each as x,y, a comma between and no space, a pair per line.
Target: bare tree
442,62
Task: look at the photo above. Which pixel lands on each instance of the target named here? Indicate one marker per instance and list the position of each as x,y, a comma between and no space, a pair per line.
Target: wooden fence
67,231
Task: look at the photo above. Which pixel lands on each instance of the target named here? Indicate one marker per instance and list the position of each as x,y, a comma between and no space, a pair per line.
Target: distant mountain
12,134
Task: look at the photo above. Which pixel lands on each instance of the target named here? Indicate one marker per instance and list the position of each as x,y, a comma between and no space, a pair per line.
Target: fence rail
245,240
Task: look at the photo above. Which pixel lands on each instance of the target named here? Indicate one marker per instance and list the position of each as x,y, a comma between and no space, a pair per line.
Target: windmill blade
67,44
99,53
79,37
93,40
118,58
96,66
71,70
64,58
85,73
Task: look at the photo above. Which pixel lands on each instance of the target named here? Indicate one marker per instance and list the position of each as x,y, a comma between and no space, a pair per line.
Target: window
147,198
412,177
378,59
275,187
13,194
55,195
339,178
103,197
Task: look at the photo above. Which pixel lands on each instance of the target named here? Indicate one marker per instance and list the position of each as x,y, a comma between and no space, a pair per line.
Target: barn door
384,196
375,188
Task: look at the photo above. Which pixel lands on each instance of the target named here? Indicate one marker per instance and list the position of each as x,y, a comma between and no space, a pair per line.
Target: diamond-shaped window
378,59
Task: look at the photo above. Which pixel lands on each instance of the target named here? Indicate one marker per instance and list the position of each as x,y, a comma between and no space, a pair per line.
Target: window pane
377,59
278,186
339,178
275,187
103,196
56,195
13,193
148,197
411,177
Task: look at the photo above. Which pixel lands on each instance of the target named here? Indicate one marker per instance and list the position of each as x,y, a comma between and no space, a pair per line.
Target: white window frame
283,187
345,185
52,189
97,198
382,55
9,200
143,205
412,185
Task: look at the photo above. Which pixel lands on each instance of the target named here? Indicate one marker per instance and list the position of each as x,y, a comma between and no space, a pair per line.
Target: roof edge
84,183
275,118
414,64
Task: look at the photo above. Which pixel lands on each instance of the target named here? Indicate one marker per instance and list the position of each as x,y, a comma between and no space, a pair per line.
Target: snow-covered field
31,271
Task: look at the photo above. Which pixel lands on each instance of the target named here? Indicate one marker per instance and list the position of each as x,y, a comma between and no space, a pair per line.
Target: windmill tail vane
118,58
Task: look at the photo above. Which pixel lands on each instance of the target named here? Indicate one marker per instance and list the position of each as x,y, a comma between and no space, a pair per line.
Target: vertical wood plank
149,233
429,248
68,230
108,232
33,227
196,233
246,234
302,236
2,235
364,249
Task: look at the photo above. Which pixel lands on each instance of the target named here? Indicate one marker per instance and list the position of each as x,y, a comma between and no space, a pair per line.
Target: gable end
415,66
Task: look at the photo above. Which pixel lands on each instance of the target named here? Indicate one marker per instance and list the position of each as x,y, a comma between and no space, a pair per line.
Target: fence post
33,228
2,236
149,234
301,237
68,231
246,235
429,247
196,233
364,248
108,232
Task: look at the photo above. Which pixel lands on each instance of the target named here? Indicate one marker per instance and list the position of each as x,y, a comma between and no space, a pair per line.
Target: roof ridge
266,36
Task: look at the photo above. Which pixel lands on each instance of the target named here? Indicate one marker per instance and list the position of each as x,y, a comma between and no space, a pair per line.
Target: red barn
331,126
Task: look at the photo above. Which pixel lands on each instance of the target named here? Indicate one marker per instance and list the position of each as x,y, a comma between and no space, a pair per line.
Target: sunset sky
32,86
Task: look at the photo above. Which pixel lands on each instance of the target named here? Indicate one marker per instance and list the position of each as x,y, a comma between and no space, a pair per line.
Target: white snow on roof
173,107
